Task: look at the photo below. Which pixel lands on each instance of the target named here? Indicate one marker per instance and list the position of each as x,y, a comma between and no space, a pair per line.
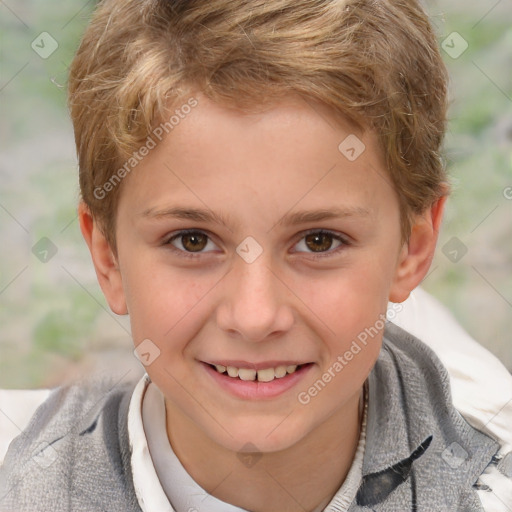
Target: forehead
294,151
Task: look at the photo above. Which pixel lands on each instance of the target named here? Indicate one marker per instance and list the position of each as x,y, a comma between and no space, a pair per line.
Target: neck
303,477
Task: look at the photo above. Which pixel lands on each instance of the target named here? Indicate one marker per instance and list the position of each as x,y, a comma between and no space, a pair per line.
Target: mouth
262,381
265,374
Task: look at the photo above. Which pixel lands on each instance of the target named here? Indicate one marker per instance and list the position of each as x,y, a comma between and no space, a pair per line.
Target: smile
262,381
262,375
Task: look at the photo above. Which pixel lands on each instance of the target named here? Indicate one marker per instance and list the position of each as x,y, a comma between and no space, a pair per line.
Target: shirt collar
145,480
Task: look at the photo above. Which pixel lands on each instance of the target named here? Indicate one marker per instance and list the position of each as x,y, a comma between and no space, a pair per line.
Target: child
259,180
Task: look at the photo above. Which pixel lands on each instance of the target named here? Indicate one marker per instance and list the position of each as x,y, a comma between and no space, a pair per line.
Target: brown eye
190,242
194,241
319,242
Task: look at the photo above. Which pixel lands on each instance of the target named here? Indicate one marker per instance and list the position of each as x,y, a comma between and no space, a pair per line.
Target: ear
105,262
417,254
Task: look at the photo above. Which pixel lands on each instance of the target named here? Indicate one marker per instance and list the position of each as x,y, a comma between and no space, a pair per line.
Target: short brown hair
376,62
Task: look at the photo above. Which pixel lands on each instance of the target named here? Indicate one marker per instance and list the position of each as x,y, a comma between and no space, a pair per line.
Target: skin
253,169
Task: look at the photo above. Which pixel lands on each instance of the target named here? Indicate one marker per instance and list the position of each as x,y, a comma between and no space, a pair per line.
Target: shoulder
480,384
18,407
415,366
426,393
75,442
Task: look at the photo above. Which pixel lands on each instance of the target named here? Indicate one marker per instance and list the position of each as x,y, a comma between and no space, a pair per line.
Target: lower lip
254,390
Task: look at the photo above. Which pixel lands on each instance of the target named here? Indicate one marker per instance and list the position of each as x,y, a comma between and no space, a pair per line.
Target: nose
255,302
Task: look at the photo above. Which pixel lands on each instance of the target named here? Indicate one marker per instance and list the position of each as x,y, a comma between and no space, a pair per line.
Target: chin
261,436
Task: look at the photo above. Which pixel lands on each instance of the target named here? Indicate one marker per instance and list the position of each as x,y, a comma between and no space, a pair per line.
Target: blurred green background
54,322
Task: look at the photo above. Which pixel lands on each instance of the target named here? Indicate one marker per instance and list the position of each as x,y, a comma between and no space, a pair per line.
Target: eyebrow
290,219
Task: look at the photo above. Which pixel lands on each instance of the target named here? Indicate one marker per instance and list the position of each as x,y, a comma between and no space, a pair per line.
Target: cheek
163,301
349,309
347,300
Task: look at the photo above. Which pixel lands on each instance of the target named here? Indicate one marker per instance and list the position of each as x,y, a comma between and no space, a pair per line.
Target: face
253,242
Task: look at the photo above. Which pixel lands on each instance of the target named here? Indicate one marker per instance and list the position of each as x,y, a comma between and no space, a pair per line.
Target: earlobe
416,256
104,260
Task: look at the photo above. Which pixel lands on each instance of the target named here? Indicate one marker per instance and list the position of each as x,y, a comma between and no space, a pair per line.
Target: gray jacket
420,455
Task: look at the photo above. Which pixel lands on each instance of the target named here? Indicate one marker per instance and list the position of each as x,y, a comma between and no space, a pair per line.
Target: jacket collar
416,439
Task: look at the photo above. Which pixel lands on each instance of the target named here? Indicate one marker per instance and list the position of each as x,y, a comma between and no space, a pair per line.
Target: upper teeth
265,375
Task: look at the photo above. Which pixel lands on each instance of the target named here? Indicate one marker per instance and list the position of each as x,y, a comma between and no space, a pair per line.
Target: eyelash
344,243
